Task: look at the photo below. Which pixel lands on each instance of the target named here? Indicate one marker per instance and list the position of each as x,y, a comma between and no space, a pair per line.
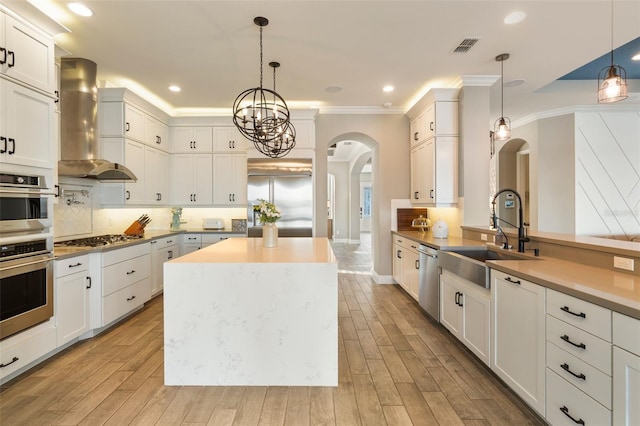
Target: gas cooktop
100,240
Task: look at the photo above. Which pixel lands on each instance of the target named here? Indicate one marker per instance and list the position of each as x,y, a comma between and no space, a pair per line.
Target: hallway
396,367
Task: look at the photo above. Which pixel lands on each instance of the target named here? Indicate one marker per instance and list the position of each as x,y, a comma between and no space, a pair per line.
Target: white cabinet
120,119
578,361
27,55
190,243
518,336
162,250
192,179
421,182
434,171
27,126
20,350
465,312
626,370
406,265
228,139
156,133
72,285
192,139
156,176
230,179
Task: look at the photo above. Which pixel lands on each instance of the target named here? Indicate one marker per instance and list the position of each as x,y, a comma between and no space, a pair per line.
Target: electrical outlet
623,263
483,237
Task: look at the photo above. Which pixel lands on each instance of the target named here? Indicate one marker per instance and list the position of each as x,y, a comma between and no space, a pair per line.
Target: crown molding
363,110
572,110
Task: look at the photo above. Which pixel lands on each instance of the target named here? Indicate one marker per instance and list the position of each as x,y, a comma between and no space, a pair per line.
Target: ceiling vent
465,45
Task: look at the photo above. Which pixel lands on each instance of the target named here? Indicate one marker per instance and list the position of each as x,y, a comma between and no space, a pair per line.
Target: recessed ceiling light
80,9
514,17
174,88
333,89
636,57
388,88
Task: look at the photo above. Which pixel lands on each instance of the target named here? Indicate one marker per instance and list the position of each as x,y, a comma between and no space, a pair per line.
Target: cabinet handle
567,310
170,254
127,195
127,127
565,411
75,265
169,241
399,254
57,93
13,59
566,368
57,194
15,358
195,198
431,126
4,56
415,195
431,194
130,298
417,265
229,143
415,136
455,299
158,140
229,197
13,142
577,345
154,242
4,149
511,280
89,281
195,144
133,271
460,303
234,197
158,196
233,144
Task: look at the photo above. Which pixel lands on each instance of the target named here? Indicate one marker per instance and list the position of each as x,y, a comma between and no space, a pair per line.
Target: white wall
340,170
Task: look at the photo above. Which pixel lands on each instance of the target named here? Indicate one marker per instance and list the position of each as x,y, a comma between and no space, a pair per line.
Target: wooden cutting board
405,216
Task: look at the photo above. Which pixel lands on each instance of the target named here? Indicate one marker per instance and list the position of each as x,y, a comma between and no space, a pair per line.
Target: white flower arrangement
267,212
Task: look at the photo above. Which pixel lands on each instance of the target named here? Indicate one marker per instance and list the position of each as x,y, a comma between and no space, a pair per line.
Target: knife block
135,229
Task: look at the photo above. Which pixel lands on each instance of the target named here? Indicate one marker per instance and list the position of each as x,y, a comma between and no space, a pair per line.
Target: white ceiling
210,49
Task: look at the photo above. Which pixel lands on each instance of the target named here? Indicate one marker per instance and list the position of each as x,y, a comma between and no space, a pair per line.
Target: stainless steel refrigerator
287,183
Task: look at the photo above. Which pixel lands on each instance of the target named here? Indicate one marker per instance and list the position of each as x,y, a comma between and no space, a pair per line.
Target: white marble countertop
250,250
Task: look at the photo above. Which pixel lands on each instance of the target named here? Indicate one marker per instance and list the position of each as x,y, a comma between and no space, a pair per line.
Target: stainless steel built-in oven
24,204
26,284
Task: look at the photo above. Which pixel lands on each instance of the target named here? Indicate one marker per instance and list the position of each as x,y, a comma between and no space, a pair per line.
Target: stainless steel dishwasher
428,282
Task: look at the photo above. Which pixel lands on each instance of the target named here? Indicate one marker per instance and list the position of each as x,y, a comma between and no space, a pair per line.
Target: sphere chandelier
262,116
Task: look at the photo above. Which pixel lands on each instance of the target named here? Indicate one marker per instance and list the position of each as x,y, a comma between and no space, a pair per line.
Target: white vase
270,235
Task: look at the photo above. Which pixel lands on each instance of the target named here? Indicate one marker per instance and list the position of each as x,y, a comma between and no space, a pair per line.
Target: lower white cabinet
20,350
406,265
626,370
72,289
465,310
518,336
162,250
192,242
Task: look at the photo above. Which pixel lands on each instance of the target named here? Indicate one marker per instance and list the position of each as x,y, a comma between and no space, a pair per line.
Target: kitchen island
236,313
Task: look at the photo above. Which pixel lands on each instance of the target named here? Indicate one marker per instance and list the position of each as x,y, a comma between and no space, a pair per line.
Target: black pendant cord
260,57
612,33
502,88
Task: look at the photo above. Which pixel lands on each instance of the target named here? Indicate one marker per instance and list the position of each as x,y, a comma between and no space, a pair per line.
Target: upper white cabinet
518,336
27,126
120,119
26,55
228,139
156,176
434,148
192,139
230,179
156,133
192,179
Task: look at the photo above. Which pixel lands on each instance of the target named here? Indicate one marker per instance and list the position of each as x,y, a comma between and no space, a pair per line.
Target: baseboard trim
382,279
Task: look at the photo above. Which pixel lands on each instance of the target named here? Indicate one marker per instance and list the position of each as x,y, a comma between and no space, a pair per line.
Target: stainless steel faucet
522,236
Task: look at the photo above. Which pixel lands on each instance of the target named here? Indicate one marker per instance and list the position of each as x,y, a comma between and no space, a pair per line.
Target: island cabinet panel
626,370
236,313
518,336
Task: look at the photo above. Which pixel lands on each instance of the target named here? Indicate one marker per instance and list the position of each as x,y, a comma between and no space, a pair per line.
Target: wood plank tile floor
396,367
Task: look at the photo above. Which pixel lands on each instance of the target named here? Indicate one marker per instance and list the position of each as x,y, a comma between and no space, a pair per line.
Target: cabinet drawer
191,238
71,265
125,273
585,346
26,350
626,333
564,400
119,255
165,242
585,315
124,301
588,379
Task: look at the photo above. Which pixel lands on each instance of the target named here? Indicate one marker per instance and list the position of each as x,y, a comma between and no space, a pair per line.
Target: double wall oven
26,253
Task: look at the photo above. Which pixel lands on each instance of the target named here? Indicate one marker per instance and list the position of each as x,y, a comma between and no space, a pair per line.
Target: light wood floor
396,367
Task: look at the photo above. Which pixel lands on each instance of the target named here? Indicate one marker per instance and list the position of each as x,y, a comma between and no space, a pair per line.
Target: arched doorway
512,171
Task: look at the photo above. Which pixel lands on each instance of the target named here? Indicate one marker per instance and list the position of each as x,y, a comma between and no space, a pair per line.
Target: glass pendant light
502,126
612,80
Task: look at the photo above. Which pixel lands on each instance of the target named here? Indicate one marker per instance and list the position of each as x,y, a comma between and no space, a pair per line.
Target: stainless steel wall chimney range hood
79,119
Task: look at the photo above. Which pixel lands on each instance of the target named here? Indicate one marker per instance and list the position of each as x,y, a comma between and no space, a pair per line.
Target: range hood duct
79,118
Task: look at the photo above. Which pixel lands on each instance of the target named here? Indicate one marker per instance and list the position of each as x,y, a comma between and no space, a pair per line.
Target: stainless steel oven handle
36,192
20,265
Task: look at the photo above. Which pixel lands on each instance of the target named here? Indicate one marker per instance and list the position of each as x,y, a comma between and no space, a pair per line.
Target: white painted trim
476,80
382,279
354,242
341,240
362,110
572,110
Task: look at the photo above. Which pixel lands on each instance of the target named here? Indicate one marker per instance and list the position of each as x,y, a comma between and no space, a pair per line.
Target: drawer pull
567,310
15,358
565,367
511,280
565,411
130,298
133,271
577,345
75,265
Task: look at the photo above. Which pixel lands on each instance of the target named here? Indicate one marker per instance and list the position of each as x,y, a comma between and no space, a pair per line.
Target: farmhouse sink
470,263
